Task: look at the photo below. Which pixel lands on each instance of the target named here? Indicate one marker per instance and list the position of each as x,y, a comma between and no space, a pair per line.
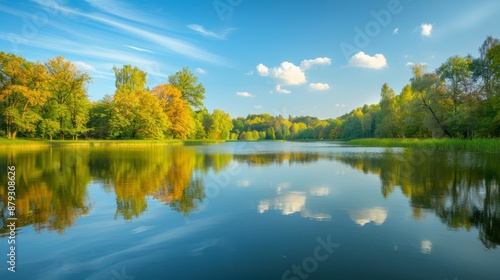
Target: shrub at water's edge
474,145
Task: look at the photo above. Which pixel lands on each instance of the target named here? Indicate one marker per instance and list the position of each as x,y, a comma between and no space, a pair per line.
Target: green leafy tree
352,124
129,79
68,103
463,92
483,72
432,97
220,125
136,113
99,117
386,127
200,118
192,91
402,112
48,128
270,134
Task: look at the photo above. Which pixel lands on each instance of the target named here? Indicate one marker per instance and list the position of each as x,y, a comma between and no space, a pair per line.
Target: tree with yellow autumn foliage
177,110
22,92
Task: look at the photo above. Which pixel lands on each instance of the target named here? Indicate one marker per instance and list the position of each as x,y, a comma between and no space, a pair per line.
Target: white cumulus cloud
83,66
262,70
319,86
258,107
289,203
244,94
426,247
426,29
308,63
288,74
282,90
364,216
363,60
285,74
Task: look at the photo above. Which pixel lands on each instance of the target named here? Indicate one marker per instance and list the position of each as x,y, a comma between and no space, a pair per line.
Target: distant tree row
460,99
50,100
265,126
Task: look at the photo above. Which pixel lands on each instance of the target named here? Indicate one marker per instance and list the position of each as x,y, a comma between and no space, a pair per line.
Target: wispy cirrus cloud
211,34
411,64
105,58
124,10
170,43
138,49
201,71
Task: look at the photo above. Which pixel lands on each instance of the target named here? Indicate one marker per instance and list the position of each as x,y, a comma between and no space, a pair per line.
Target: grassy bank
475,145
6,143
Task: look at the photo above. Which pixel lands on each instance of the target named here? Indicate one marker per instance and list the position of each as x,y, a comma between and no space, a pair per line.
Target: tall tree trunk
436,118
61,123
9,132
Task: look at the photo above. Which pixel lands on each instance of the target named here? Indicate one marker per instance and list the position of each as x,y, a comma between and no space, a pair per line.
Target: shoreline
484,145
491,145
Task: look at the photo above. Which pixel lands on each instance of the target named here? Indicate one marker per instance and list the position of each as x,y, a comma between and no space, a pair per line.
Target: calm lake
252,210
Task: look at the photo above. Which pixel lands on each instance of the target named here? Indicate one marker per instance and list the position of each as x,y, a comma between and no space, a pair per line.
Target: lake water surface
252,210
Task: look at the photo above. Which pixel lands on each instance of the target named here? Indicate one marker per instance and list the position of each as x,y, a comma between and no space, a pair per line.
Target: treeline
460,99
50,100
265,126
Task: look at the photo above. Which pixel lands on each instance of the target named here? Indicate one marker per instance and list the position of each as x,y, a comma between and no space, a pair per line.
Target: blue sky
319,58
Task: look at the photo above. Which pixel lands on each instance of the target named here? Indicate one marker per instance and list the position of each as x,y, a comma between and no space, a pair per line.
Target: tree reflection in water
461,188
